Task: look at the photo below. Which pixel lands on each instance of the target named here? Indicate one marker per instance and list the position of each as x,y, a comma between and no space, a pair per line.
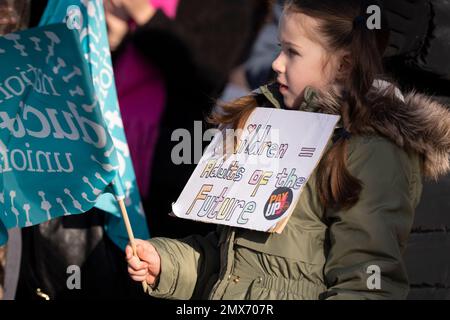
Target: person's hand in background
120,13
139,11
117,20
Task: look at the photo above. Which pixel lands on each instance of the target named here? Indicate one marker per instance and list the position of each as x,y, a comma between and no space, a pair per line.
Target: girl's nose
278,64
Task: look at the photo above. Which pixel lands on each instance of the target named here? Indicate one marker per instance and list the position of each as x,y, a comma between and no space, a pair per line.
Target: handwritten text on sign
257,185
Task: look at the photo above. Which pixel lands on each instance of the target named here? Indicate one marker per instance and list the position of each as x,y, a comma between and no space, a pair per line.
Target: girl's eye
287,50
292,52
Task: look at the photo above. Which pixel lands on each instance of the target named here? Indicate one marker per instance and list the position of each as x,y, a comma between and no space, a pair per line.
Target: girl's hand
149,266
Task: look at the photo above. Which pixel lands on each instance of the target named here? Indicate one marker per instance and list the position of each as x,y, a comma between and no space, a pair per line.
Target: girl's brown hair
342,26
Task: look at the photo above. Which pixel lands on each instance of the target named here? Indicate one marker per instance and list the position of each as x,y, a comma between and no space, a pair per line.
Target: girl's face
303,61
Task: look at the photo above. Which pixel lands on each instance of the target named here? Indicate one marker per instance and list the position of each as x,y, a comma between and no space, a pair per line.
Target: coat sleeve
187,265
371,236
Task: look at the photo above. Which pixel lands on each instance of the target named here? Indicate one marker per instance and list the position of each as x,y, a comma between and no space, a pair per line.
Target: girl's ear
345,66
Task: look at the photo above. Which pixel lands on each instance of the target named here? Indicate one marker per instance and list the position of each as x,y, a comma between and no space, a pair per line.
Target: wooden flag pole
123,209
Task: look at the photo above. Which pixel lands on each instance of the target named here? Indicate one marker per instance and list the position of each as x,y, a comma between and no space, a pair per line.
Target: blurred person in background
172,60
14,15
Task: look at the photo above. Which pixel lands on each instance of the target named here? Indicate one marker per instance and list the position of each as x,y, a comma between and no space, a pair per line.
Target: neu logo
279,201
74,18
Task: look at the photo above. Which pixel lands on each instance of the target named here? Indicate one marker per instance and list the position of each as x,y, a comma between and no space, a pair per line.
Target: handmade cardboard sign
256,183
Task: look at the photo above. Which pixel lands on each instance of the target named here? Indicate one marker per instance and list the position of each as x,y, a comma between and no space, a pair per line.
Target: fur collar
416,123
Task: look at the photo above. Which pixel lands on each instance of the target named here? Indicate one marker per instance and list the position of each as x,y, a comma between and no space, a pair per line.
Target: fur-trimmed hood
416,123
422,125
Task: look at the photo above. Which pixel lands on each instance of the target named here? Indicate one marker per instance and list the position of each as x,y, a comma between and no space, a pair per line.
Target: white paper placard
258,185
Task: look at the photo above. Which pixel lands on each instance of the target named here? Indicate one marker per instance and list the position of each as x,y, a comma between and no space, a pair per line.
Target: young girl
350,227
